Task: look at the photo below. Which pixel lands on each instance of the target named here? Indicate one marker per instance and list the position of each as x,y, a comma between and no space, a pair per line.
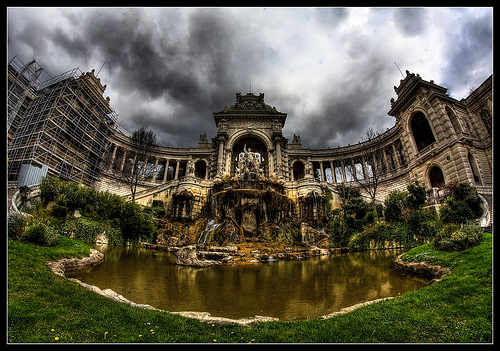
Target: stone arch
436,177
454,120
421,130
257,134
299,170
256,142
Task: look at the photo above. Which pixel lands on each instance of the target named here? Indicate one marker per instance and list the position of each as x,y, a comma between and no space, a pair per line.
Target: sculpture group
249,166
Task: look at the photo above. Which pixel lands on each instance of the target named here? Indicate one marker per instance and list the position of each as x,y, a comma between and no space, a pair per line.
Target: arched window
422,132
298,170
473,166
454,120
436,177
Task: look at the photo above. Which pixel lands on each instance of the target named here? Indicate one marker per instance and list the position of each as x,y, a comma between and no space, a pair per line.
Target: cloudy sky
331,69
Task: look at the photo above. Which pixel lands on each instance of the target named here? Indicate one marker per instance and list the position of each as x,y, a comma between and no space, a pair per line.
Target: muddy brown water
288,290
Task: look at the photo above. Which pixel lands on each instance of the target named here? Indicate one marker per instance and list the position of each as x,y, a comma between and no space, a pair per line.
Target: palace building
65,127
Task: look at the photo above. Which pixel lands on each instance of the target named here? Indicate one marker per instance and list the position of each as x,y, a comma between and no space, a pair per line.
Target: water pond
288,290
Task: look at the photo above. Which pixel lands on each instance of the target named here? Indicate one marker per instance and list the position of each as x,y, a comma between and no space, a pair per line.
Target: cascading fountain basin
248,208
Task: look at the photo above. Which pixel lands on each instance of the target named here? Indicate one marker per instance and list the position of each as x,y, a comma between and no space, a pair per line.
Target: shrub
424,222
135,224
382,232
452,237
157,203
16,224
131,222
369,217
40,234
87,230
461,204
49,189
59,211
114,235
89,211
417,195
394,204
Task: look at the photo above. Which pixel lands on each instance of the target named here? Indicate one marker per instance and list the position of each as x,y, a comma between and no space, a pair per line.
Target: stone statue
190,167
203,138
253,162
248,166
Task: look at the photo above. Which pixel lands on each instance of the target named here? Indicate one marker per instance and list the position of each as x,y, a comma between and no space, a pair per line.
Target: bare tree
136,169
366,169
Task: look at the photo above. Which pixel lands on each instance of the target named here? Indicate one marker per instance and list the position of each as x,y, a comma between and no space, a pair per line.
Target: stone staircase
486,192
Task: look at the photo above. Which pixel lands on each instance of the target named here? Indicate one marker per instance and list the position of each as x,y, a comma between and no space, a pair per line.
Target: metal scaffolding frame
66,127
22,82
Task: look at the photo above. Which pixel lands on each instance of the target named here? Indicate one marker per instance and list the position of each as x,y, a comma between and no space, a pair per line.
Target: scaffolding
22,82
67,126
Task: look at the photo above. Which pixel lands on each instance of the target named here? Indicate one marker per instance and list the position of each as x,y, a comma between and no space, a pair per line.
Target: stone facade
436,140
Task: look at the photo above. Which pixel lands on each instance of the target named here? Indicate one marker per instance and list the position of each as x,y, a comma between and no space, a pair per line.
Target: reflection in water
287,290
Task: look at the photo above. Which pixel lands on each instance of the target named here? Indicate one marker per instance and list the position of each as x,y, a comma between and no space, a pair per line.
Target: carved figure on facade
190,167
203,138
223,125
276,126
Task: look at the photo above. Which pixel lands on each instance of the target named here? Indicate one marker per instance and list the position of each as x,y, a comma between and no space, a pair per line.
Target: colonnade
181,166
361,165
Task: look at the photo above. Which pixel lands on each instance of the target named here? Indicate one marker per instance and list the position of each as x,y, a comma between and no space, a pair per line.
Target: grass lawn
46,308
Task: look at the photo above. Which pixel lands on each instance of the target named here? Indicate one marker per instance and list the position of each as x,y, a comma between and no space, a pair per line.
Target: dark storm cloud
411,21
331,70
469,52
348,107
188,71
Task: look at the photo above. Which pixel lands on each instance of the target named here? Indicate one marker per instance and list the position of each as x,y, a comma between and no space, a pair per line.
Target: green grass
43,306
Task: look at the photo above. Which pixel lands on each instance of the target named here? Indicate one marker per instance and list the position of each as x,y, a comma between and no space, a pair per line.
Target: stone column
354,170
278,153
221,167
321,172
396,156
363,166
342,168
332,172
123,159
385,161
134,165
177,169
156,169
110,166
270,162
228,161
166,171
143,175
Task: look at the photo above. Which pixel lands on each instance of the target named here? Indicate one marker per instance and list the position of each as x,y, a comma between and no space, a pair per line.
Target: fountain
252,211
247,202
246,196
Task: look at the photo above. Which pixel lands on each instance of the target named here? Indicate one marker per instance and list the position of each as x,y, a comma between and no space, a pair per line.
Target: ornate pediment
249,102
250,107
411,89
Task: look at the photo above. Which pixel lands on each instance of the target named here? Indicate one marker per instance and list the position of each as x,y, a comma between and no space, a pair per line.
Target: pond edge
424,268
59,267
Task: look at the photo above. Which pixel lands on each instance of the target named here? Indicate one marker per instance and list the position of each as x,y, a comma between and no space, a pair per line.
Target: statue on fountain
248,167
